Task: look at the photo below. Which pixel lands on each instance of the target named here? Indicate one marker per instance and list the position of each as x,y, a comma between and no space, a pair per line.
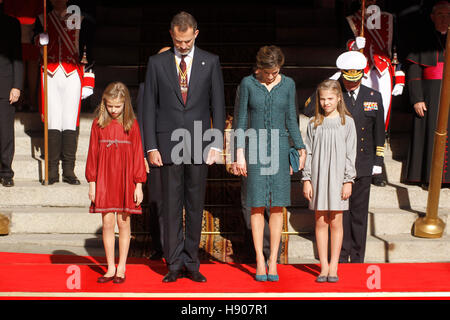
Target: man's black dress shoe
195,276
71,180
171,276
7,182
379,181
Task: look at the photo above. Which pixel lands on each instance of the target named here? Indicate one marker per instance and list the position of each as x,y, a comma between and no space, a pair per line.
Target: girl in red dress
115,171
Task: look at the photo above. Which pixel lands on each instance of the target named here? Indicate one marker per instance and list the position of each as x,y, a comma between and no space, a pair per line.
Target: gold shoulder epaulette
308,102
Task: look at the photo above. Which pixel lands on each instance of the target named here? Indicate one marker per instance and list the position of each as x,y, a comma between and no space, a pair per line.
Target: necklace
183,75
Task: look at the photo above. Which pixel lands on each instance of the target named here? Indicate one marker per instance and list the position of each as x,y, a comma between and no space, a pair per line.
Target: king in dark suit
184,97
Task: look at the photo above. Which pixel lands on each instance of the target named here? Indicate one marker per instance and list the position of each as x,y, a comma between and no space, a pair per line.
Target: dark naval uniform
368,114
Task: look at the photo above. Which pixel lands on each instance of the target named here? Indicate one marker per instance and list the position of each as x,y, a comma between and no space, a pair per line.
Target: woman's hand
92,191
241,164
302,160
346,190
138,194
307,190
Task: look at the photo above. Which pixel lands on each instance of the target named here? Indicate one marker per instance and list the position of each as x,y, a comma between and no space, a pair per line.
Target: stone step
394,169
33,169
74,220
58,244
399,195
32,144
33,193
380,249
93,240
381,222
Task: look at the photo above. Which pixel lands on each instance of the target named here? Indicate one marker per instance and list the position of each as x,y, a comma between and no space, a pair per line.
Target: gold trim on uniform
308,102
380,151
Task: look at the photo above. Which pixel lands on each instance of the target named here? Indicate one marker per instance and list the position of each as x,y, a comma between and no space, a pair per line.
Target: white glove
86,92
43,39
376,170
398,89
360,43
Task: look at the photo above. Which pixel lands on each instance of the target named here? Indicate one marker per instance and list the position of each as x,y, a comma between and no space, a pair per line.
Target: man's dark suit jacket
11,67
165,111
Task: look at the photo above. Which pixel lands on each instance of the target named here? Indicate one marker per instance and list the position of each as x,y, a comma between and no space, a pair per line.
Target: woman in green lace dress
267,115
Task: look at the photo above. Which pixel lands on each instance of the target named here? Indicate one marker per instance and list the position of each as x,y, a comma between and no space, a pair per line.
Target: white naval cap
352,64
351,60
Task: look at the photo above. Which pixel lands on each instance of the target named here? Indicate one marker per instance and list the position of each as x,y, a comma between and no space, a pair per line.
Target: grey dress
330,161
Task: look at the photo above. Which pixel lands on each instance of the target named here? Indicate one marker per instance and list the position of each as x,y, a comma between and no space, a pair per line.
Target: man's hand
420,108
212,156
14,95
155,158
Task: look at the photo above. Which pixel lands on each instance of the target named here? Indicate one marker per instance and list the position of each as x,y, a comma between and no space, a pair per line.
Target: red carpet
26,275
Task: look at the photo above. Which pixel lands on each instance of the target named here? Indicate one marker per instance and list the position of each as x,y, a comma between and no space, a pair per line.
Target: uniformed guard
366,107
69,81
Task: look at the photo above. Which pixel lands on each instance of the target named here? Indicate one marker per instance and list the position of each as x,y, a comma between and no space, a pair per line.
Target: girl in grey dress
329,171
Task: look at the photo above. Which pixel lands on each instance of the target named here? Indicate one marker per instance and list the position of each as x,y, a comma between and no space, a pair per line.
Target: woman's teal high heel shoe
260,277
273,277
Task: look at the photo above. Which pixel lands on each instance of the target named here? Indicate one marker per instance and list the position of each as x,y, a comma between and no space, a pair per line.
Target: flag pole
363,14
45,99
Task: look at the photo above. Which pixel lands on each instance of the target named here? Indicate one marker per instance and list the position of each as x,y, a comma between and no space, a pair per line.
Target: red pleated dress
116,163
